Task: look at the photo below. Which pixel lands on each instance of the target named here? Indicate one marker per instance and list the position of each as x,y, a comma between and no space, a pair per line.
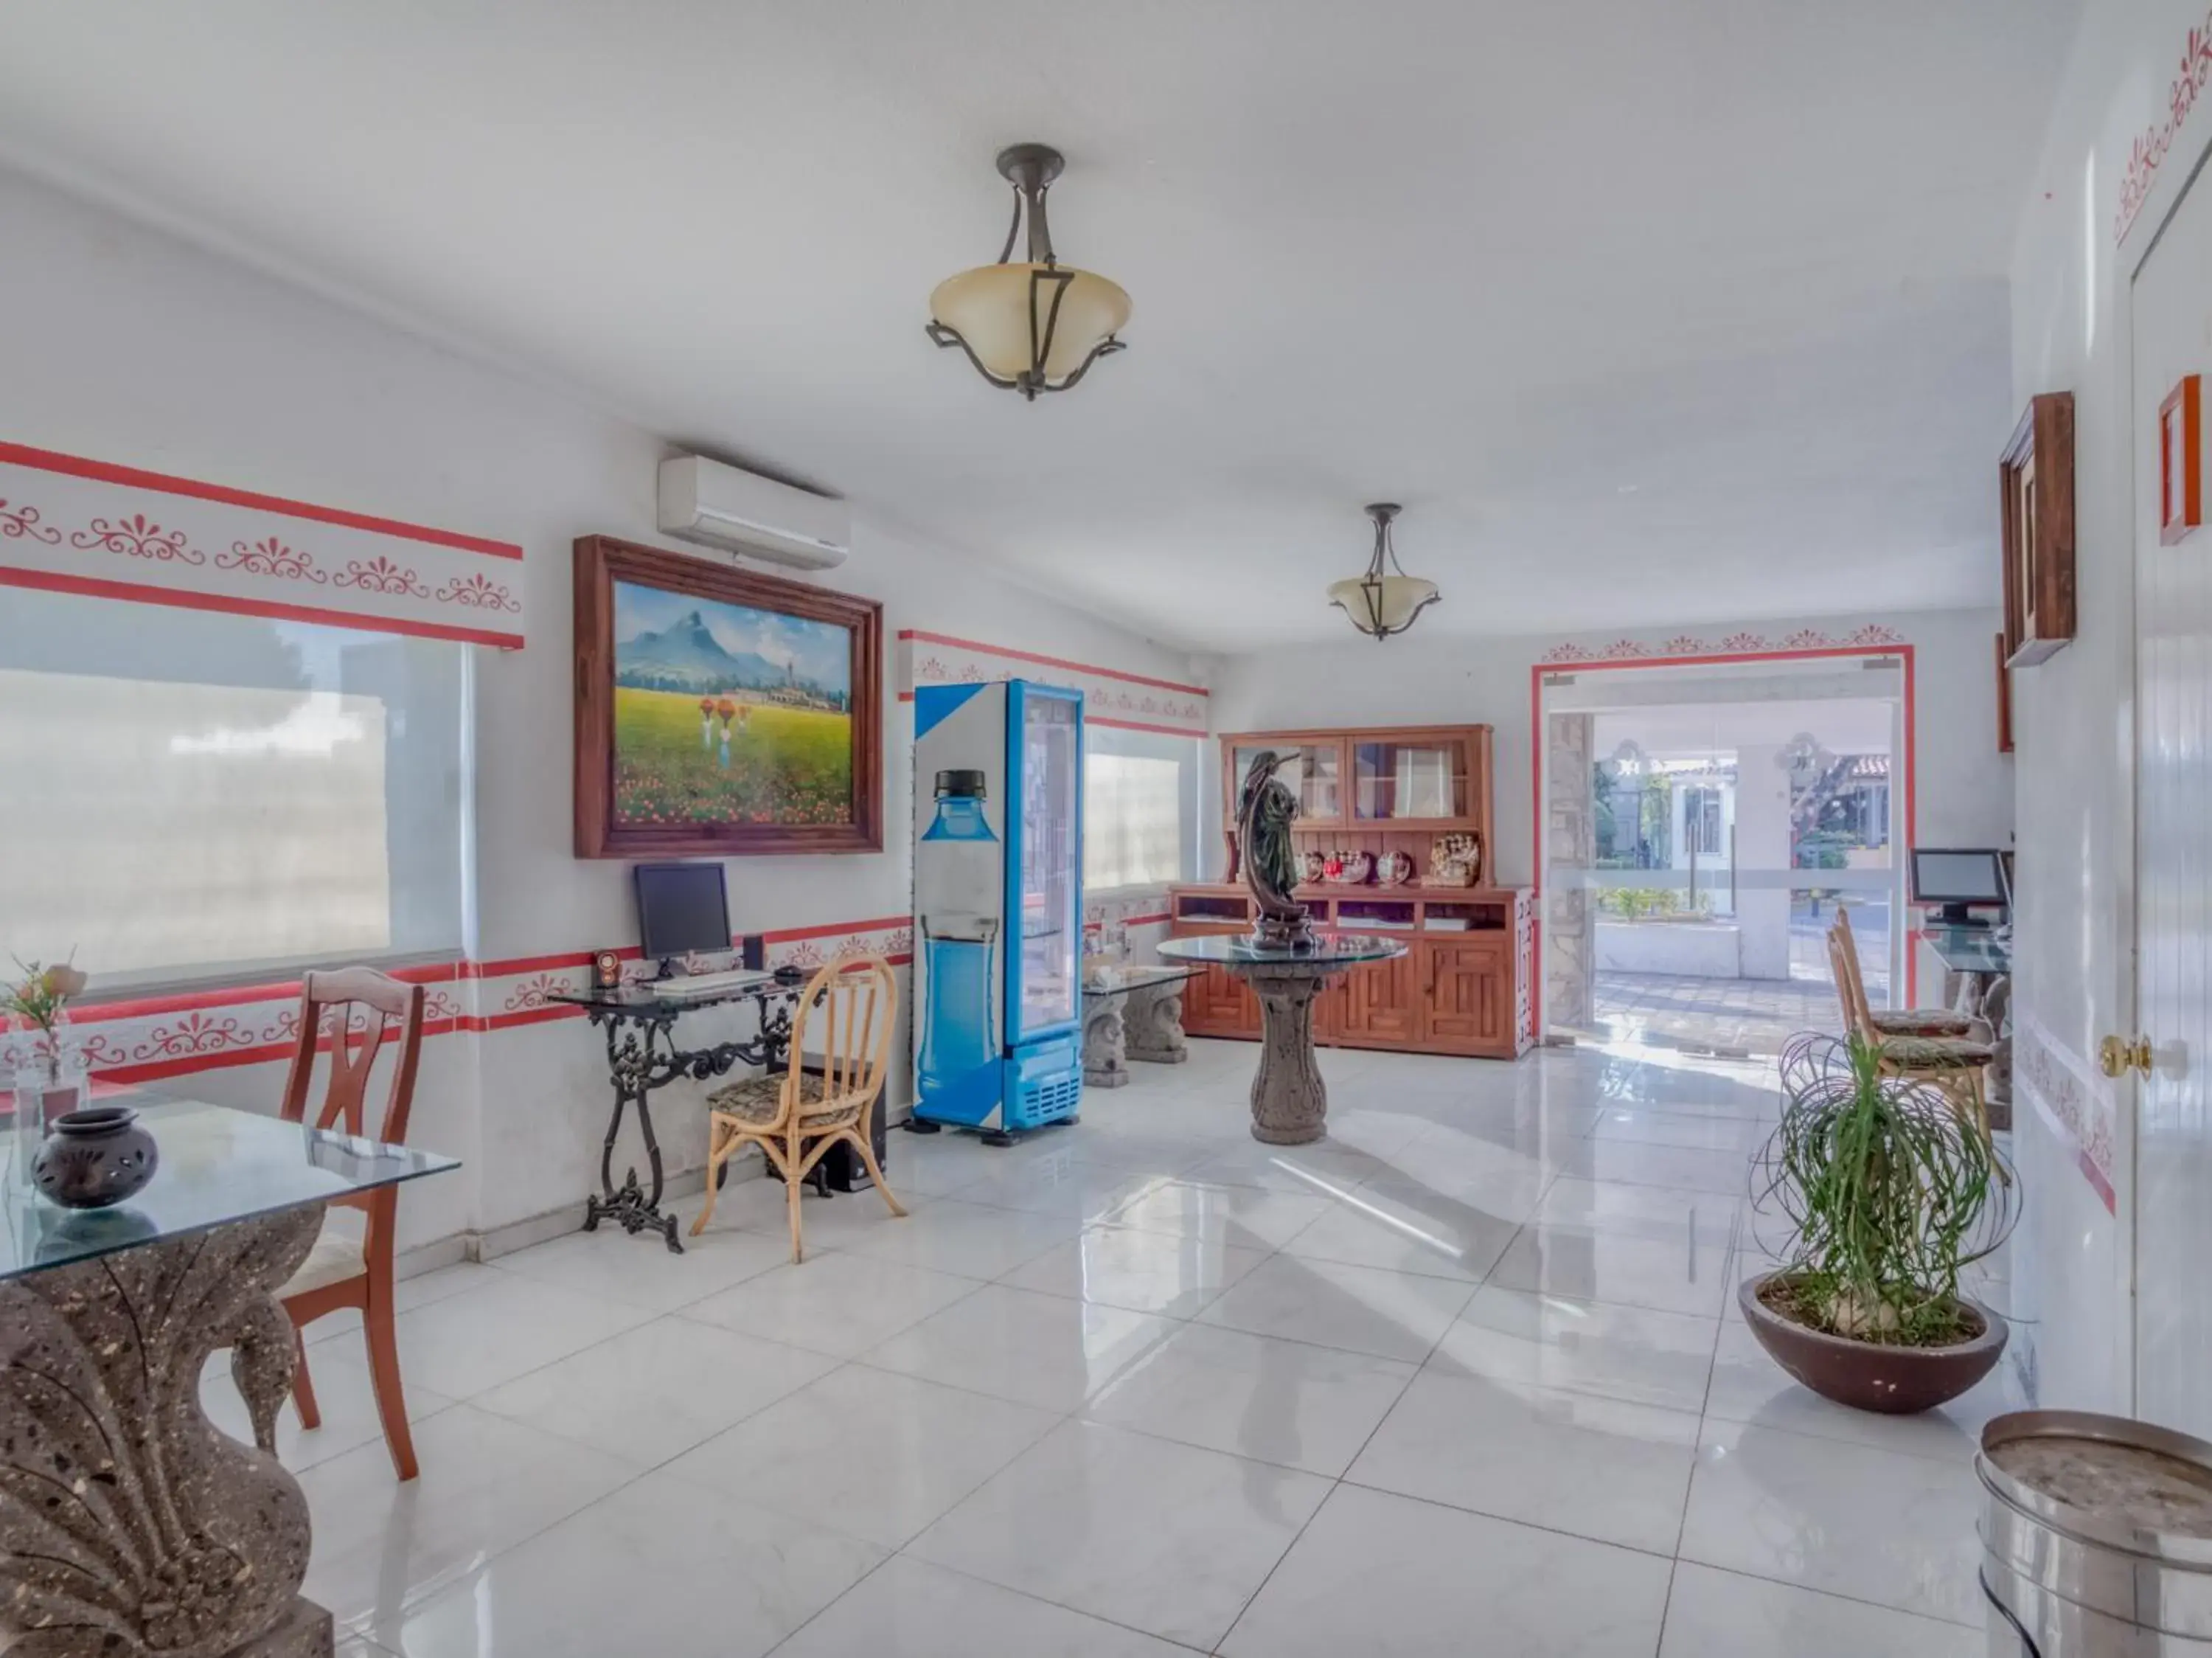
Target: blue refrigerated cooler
998,904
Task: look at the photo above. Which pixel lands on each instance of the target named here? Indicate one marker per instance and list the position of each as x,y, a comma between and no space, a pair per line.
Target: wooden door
1467,995
2171,318
1377,1005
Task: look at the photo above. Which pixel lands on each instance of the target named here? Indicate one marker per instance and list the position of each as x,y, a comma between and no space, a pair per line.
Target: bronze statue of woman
1264,813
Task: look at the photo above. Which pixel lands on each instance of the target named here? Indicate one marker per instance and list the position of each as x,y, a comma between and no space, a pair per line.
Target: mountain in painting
686,656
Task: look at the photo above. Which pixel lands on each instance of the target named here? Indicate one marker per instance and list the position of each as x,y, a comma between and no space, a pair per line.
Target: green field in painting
786,765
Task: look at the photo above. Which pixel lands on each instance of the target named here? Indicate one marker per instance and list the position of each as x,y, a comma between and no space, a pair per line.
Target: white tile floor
1142,1387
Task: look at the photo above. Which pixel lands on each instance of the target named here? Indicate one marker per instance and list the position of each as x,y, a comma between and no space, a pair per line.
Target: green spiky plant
1887,1193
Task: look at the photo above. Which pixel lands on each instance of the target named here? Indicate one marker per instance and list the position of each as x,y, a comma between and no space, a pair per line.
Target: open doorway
1702,825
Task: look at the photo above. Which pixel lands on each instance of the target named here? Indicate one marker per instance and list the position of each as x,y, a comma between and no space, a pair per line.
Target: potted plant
54,1081
1887,1193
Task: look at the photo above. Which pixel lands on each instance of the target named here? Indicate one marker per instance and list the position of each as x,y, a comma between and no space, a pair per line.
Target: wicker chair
1901,1021
849,1007
1954,1065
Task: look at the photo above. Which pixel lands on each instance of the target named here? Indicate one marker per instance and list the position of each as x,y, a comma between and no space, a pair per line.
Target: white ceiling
1649,312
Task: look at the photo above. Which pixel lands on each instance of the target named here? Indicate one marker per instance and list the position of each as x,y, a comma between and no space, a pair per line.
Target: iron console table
642,1056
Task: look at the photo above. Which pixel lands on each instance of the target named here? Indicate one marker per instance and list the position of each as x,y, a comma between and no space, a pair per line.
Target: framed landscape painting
722,712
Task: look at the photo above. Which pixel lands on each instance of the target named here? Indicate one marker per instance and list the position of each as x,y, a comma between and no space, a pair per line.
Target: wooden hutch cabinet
1464,985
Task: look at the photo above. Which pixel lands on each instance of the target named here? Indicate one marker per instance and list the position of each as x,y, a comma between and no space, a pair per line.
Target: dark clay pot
1867,1375
90,1158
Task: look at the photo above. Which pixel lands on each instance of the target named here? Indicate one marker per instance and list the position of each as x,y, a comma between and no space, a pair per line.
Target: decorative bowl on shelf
1393,868
1352,869
1313,869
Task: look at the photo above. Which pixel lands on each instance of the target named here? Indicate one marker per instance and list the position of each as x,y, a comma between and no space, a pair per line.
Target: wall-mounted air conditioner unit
704,501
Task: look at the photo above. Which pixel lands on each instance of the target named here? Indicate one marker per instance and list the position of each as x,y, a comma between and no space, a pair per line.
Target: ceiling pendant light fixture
1036,325
1386,599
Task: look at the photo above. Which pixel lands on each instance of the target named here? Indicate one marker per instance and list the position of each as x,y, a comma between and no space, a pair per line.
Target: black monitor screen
1958,877
681,908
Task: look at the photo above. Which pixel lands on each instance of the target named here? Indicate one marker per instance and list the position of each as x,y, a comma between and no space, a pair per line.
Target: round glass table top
1327,950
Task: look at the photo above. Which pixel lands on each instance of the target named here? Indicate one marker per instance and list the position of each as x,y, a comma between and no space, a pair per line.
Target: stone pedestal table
130,1526
1289,1103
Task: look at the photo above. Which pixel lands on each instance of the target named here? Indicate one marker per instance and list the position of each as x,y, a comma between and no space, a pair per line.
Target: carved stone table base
1289,1103
130,1527
1154,1018
1105,1056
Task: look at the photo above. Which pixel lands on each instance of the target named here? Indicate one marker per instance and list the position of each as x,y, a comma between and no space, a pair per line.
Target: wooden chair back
843,1026
1850,988
329,998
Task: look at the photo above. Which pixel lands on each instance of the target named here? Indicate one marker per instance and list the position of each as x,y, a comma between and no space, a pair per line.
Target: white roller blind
1138,808
193,795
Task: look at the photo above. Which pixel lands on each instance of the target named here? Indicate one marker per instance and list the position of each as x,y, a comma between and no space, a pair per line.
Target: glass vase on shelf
52,1077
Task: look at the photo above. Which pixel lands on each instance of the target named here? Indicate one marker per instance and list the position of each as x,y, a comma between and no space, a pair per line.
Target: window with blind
1139,816
198,795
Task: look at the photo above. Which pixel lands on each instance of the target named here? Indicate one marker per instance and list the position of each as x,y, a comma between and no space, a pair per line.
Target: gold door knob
2118,1055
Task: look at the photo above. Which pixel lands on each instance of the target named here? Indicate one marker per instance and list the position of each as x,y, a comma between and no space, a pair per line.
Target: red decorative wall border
1739,644
89,528
1131,702
2074,1104
23,454
2152,146
147,1038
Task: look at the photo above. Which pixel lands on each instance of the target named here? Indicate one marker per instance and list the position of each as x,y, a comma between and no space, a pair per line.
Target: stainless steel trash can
2096,1538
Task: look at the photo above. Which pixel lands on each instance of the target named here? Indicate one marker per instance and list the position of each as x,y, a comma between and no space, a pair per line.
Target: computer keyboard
690,984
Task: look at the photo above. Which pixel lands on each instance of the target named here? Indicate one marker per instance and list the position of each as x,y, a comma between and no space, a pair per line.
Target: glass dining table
127,1520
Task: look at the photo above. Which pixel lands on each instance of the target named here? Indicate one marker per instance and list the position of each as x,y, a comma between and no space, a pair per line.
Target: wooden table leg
129,1524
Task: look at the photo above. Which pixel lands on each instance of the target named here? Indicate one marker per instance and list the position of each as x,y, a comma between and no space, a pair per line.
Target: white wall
2074,714
128,345
1965,784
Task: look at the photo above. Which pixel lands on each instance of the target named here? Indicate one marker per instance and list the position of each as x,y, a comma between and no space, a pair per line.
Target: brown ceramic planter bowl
1867,1377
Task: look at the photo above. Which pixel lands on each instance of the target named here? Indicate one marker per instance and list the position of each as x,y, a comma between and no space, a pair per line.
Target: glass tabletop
1971,949
218,1165
1237,949
639,996
1138,976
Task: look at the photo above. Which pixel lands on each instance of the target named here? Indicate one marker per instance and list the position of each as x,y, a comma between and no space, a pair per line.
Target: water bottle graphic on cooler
959,872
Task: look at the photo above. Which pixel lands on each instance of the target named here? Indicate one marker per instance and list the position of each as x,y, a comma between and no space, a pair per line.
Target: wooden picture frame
2180,462
2004,697
765,777
2036,484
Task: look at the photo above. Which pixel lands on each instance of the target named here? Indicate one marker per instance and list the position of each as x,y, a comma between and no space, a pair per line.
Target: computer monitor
1953,878
682,908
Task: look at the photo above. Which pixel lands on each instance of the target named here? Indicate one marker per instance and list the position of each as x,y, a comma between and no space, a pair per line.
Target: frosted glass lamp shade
990,308
1382,604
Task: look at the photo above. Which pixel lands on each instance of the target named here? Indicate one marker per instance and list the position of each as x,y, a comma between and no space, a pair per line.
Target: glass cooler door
1045,876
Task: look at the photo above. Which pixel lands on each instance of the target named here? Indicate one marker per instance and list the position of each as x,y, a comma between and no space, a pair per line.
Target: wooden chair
848,1008
1952,1064
1899,1022
345,1268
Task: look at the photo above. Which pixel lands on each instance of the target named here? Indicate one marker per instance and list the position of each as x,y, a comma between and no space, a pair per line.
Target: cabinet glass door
1047,875
1425,779
1312,771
